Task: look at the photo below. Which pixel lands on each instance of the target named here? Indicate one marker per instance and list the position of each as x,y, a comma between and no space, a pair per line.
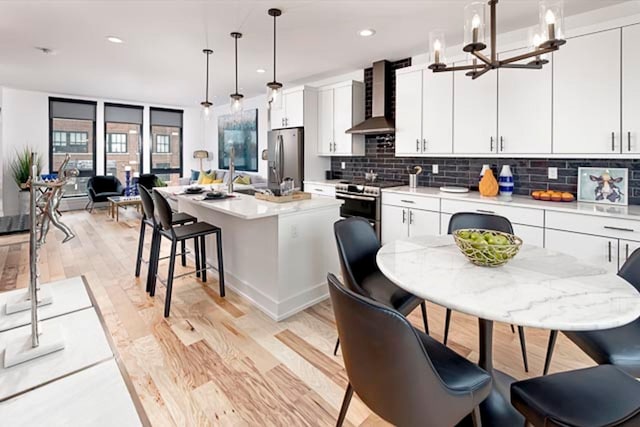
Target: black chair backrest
387,364
630,270
357,248
147,180
103,183
147,202
162,211
479,220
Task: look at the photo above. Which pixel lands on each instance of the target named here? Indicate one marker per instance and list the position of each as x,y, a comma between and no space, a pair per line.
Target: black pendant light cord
274,48
206,94
236,40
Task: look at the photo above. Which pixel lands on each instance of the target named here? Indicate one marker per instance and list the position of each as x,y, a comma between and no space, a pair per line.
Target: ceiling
161,59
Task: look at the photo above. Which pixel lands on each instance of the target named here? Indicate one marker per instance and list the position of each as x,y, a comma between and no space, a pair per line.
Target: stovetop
365,187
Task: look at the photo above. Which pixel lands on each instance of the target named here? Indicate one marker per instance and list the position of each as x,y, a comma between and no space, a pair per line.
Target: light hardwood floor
220,361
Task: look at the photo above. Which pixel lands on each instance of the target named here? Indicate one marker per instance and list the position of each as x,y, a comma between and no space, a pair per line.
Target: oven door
358,205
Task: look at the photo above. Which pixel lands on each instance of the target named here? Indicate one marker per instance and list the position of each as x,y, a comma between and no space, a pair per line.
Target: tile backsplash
529,174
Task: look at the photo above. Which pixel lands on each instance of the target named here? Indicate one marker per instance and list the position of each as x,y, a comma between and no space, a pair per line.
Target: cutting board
295,197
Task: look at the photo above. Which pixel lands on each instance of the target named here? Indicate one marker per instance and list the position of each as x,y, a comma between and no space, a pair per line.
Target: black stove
371,188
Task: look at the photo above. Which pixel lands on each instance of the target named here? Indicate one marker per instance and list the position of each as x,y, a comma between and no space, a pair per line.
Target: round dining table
538,288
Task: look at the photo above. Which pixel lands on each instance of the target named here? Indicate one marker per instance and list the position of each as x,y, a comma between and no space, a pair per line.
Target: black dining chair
484,221
199,230
601,396
402,374
358,245
618,346
148,219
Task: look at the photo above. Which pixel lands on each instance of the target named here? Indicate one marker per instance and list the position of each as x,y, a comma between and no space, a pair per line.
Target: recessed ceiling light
367,32
261,70
114,39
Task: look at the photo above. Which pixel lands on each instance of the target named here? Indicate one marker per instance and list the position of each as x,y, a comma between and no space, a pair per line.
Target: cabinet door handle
417,145
319,190
485,212
410,217
626,257
424,145
404,216
609,250
407,201
501,144
608,227
629,141
491,144
613,141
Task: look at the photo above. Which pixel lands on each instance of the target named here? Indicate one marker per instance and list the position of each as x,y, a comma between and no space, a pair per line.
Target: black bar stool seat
191,231
593,397
181,218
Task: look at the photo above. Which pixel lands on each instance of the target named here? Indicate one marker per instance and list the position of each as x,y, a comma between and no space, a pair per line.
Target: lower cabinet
402,223
594,250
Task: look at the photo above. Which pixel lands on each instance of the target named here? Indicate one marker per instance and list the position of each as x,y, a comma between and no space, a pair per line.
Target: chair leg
335,350
140,246
87,205
447,323
523,347
345,405
553,335
154,260
196,249
425,320
513,331
203,259
183,248
476,417
172,262
220,262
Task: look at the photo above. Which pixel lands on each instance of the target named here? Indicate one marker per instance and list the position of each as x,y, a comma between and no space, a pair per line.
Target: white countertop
628,212
538,288
248,207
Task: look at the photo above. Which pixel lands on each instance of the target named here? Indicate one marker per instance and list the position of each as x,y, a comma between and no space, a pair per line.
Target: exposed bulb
536,41
549,17
475,22
437,46
206,113
236,105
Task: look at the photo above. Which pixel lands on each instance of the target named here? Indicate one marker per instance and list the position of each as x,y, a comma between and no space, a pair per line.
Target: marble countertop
538,288
627,212
248,207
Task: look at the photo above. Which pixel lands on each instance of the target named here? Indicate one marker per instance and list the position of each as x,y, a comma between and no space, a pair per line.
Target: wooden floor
220,361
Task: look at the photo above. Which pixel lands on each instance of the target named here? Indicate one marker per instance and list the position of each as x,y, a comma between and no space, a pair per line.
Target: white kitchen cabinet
394,223
626,249
631,89
591,250
290,112
423,223
529,235
340,107
424,113
524,109
322,190
399,222
475,113
409,113
586,99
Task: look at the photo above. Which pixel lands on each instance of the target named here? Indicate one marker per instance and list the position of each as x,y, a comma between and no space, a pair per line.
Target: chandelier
548,39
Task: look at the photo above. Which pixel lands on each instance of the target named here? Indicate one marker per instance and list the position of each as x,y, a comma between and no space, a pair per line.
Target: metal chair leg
196,249
523,347
476,417
335,350
345,405
220,262
553,335
183,248
140,246
425,320
154,260
447,323
172,262
203,259
513,331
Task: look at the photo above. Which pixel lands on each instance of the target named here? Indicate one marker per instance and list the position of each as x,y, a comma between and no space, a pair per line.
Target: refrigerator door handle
280,156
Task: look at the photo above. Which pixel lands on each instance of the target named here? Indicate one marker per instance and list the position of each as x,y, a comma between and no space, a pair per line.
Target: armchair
99,188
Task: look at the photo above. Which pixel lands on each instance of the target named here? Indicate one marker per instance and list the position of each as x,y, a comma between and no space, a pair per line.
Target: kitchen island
277,255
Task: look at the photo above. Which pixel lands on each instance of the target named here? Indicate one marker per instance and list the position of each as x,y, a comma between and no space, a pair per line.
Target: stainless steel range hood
380,121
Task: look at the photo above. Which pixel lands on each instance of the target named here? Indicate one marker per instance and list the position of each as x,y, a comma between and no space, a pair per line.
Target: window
162,144
123,140
72,131
116,143
166,149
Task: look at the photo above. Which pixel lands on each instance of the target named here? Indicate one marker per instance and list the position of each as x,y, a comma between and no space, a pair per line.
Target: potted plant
20,170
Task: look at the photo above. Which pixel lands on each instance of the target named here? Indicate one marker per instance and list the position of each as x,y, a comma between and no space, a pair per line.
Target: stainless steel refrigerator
286,156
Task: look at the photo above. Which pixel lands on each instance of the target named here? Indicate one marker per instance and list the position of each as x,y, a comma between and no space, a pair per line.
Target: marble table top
538,288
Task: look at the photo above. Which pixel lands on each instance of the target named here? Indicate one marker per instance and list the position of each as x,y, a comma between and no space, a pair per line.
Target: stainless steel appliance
286,157
363,199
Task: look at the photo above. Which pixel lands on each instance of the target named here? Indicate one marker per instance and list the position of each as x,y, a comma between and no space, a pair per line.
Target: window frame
141,136
108,141
51,119
168,144
167,171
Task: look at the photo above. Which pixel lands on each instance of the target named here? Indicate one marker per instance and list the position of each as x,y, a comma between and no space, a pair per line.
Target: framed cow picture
603,185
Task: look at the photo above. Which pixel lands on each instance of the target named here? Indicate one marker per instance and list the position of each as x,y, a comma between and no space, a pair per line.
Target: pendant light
206,105
236,98
274,87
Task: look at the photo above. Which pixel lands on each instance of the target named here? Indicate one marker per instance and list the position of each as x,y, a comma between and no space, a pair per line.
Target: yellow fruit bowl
487,248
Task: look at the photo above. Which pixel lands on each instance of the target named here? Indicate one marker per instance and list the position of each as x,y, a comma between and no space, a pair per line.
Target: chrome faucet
232,169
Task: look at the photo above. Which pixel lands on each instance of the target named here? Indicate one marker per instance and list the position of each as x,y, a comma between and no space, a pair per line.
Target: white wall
25,122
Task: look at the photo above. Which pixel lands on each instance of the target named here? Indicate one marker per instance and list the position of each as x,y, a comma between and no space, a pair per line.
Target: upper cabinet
340,107
290,113
524,109
475,106
424,113
586,99
631,89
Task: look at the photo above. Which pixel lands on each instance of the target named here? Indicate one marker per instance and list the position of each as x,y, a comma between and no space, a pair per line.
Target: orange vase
488,184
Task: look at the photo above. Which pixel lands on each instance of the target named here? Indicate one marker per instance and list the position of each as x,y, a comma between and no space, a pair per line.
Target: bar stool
148,219
196,231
